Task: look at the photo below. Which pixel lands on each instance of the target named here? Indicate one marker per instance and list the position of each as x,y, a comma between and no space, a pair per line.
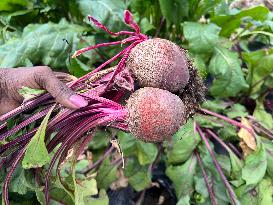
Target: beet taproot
159,63
154,114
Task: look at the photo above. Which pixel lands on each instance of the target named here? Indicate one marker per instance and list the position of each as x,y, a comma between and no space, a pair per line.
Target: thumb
46,79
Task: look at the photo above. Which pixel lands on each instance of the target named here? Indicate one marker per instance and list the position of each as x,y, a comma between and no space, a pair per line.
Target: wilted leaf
247,137
182,176
202,37
36,153
228,76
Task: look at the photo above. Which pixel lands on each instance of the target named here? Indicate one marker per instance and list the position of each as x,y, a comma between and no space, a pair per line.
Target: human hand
38,77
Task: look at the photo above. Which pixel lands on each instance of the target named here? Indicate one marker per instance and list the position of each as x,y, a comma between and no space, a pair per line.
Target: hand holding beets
39,77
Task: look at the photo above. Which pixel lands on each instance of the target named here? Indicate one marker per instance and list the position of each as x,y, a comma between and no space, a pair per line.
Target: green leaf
41,44
107,174
262,116
259,64
138,176
184,142
10,5
184,200
36,154
85,189
228,76
265,191
100,140
216,105
101,200
236,166
19,182
77,67
201,37
145,25
29,93
127,143
255,165
174,10
229,23
269,153
108,12
182,176
236,110
145,152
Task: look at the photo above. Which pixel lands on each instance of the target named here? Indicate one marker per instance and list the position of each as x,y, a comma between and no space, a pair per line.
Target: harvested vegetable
159,63
154,114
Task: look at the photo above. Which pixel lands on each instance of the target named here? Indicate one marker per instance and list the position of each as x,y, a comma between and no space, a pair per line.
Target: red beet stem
231,193
205,176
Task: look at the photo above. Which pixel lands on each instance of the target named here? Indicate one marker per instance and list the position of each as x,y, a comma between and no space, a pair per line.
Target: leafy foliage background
232,49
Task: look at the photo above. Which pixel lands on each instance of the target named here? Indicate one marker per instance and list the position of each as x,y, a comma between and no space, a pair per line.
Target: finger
7,105
45,78
65,77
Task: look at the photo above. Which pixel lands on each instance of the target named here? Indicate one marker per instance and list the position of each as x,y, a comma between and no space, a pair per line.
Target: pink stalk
101,26
79,52
9,175
235,150
20,139
221,142
25,106
23,124
218,167
99,161
205,176
233,122
89,75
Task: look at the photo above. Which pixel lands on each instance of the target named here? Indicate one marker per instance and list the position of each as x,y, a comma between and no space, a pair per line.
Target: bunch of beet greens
169,92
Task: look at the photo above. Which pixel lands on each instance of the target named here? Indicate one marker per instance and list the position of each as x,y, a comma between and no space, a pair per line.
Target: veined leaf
41,43
229,23
36,153
182,176
108,12
202,37
228,76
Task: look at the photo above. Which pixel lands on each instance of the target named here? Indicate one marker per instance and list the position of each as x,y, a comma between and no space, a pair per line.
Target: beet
154,114
159,63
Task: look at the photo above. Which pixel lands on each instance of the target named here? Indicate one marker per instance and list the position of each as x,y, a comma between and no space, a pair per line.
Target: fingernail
78,101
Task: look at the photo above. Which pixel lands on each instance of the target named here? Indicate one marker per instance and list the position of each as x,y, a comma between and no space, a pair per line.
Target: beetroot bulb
159,63
154,115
